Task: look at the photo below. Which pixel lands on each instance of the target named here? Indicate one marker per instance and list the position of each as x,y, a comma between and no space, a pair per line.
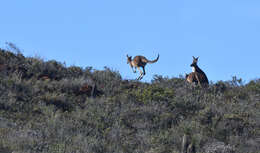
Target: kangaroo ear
197,58
127,55
193,57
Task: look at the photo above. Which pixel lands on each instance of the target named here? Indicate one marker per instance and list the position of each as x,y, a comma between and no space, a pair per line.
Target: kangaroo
139,61
197,76
191,77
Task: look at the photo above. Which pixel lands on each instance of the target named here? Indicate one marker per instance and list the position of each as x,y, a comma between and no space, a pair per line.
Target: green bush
151,93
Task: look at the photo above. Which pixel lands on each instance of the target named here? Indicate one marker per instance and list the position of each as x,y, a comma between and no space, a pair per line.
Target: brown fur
139,61
198,76
191,77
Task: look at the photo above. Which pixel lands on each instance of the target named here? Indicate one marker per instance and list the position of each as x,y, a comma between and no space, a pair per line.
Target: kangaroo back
203,78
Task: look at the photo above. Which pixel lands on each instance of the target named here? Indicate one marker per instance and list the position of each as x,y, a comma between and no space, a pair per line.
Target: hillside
50,108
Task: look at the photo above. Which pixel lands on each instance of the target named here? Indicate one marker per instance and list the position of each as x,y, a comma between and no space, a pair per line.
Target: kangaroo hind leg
134,69
143,70
141,74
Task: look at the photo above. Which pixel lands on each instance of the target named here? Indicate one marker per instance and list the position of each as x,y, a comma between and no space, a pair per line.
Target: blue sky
224,33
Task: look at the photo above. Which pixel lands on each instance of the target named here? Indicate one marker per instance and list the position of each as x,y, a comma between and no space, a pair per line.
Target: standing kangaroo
139,61
197,76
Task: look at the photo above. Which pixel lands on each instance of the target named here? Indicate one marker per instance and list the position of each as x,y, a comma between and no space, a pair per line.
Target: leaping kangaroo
139,61
197,76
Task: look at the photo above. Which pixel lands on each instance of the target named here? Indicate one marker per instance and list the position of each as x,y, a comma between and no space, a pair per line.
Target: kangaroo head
194,62
129,59
186,75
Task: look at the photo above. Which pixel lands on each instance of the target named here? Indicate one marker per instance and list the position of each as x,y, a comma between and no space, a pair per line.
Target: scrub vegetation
48,107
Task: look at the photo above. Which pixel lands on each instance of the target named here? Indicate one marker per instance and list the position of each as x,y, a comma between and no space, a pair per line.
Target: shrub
47,107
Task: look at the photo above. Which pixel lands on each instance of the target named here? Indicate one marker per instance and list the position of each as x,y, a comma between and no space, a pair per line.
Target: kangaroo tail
153,61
